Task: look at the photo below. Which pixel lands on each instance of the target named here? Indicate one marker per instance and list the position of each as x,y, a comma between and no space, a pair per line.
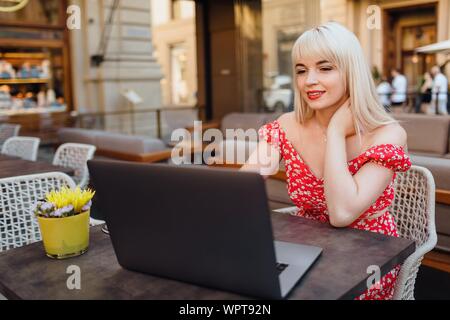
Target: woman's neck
324,116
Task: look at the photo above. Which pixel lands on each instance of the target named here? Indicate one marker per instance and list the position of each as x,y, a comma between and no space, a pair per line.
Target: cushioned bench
428,135
118,146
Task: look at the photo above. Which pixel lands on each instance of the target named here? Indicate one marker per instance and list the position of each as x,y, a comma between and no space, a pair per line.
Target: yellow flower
66,196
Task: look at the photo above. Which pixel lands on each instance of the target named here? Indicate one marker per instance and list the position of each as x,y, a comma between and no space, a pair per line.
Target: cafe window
179,86
31,79
34,59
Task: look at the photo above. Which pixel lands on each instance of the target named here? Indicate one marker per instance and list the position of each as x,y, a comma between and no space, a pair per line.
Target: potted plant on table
64,221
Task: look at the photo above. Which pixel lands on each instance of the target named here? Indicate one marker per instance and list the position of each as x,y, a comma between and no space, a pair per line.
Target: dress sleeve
270,133
390,156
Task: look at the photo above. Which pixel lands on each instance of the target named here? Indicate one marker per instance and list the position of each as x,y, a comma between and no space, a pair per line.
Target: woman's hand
342,121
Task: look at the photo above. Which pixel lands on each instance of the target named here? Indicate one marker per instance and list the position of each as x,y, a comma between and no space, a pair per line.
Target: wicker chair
23,147
7,131
413,209
18,225
76,156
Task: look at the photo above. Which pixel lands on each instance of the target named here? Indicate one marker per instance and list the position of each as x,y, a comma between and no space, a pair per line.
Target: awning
440,47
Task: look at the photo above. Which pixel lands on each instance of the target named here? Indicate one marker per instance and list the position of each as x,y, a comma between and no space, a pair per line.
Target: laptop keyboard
280,267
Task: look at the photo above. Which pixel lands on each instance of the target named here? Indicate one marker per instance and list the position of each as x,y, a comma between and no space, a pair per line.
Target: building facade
219,54
388,43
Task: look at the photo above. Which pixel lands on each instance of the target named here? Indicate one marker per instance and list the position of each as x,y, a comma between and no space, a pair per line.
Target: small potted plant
64,221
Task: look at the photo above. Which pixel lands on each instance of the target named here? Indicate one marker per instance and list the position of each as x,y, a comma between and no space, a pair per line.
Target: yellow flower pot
65,237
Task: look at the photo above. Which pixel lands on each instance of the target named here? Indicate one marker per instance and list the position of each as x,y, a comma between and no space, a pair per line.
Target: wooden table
14,166
339,273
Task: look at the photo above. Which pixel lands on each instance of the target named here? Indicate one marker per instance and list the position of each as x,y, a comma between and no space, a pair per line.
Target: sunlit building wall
173,30
129,62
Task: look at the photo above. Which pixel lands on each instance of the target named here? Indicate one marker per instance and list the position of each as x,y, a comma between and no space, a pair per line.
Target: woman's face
320,83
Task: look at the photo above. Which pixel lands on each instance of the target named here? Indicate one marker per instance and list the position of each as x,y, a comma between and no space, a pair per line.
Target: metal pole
133,128
436,103
158,123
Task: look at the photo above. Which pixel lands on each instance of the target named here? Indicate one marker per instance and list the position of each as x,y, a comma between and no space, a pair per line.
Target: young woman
341,148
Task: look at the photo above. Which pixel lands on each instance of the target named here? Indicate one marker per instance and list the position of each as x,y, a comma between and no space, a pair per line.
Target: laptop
197,224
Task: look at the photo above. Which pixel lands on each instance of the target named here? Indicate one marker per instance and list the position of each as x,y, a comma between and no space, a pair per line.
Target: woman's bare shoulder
389,134
286,120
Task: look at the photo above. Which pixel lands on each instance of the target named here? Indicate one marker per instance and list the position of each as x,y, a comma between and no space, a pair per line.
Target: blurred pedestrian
384,91
399,88
439,91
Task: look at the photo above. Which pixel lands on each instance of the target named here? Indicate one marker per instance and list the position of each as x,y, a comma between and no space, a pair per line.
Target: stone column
129,64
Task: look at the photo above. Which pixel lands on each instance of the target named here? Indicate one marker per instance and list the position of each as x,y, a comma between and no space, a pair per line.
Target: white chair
7,131
76,156
18,225
23,147
414,210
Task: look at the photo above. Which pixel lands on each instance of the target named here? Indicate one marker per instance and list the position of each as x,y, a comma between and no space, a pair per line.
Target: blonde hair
335,43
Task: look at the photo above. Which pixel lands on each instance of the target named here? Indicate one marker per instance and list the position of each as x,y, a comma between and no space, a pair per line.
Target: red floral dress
307,192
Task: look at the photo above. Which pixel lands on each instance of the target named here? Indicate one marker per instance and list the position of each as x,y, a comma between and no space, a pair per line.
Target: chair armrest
287,210
280,175
149,157
95,222
226,165
443,196
206,125
156,156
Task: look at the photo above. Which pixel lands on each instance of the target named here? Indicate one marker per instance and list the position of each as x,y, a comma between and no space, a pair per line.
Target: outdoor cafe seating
413,208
